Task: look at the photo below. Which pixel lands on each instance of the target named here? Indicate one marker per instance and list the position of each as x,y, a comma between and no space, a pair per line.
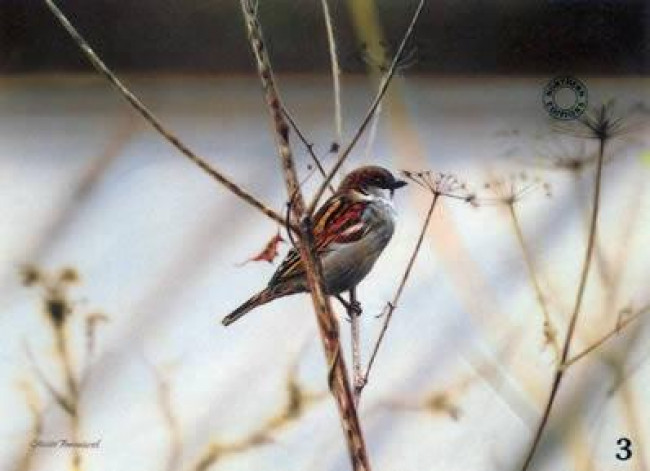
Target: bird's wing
338,221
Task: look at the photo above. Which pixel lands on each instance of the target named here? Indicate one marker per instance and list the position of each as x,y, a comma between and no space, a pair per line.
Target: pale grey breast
347,264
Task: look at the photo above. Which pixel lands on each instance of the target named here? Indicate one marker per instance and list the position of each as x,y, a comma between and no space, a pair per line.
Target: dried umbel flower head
380,56
54,291
57,308
441,184
513,188
68,275
602,123
442,402
30,275
572,160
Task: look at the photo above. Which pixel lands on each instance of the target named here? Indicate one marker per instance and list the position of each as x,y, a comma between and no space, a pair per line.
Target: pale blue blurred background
85,183
462,377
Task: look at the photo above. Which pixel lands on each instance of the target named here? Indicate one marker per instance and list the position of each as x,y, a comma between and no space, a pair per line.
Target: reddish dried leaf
268,253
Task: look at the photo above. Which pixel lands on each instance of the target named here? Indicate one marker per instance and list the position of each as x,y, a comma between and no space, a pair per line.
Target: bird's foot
353,307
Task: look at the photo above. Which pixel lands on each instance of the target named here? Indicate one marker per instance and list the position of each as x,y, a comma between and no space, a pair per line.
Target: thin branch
549,330
58,397
202,163
73,387
336,72
392,305
559,373
327,323
66,364
36,411
169,416
372,134
355,331
617,330
371,111
308,145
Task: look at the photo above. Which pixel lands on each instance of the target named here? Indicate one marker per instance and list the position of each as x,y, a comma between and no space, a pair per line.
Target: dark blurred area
452,37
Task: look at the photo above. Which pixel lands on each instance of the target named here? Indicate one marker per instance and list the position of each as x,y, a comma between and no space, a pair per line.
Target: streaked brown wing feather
339,220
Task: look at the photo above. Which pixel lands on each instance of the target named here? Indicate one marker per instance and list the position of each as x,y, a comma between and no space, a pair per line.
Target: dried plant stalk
336,72
35,408
392,305
601,132
549,330
617,330
134,101
345,153
328,326
308,145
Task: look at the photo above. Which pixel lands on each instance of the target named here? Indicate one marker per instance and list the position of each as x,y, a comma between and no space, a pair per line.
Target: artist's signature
63,443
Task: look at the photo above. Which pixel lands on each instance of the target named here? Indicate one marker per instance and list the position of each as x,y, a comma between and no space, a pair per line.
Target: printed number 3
625,450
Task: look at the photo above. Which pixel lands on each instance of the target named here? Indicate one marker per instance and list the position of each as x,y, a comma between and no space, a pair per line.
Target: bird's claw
354,308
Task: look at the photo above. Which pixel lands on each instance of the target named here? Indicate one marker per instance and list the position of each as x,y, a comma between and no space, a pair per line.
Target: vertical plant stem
372,134
171,421
392,305
549,329
72,386
355,329
336,72
25,463
328,326
559,373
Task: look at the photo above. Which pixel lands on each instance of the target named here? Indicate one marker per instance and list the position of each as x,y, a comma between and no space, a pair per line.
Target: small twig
372,134
73,390
202,163
58,397
169,416
92,321
36,411
336,72
66,365
393,303
617,330
549,330
371,111
308,145
287,223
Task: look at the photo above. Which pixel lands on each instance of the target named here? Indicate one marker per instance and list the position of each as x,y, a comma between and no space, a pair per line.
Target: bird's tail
263,297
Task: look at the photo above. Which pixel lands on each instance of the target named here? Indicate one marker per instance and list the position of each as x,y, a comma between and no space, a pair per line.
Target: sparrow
351,229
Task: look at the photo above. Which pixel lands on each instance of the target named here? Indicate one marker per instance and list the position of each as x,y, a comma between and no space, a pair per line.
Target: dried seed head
57,309
602,123
512,189
30,275
441,184
69,275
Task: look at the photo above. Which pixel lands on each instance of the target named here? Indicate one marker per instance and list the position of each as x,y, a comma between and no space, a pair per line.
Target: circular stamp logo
565,98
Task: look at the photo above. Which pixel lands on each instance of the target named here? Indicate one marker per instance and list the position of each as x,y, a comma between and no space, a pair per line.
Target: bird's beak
397,184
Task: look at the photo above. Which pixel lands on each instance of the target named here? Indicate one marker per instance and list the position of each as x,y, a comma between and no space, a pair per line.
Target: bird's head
371,180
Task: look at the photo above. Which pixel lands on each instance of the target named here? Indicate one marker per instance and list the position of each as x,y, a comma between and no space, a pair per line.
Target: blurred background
204,36
100,217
